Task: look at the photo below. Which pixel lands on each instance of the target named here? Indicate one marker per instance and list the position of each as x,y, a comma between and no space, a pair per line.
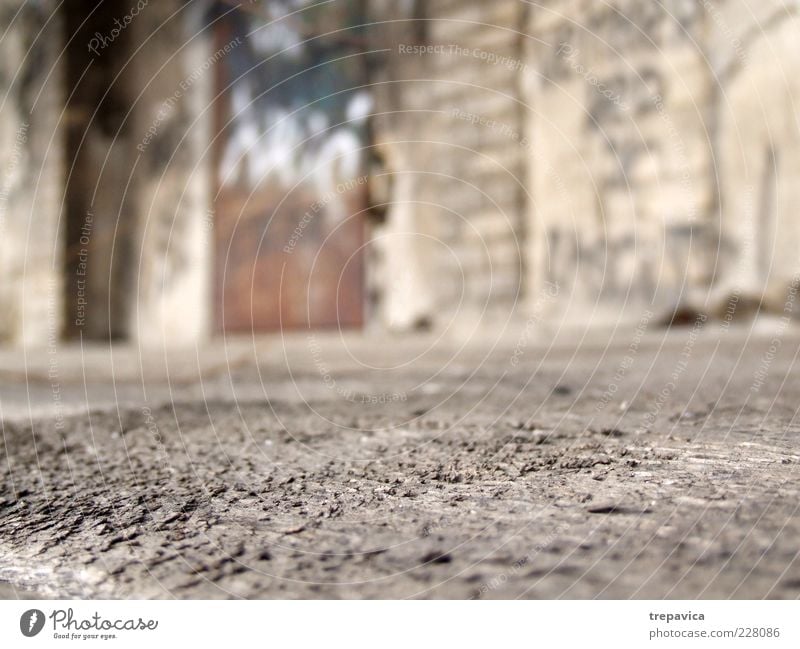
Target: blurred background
172,171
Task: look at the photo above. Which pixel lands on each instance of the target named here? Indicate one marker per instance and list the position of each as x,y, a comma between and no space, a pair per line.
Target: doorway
290,179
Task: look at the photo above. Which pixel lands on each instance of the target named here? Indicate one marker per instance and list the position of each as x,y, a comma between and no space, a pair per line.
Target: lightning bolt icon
32,621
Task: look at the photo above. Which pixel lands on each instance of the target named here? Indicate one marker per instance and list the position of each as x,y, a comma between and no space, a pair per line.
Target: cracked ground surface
665,466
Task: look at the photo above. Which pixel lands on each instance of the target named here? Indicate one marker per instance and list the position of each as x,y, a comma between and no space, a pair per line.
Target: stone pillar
100,204
172,143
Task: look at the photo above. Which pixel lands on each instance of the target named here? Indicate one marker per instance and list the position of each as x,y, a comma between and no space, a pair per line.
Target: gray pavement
655,465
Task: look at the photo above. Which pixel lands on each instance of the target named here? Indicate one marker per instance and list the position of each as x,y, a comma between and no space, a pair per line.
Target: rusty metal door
290,172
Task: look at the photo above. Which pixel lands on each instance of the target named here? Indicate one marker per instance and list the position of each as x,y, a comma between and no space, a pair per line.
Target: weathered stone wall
622,182
30,173
454,156
754,49
667,143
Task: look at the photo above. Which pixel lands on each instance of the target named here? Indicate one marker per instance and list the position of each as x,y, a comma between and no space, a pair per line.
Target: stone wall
622,183
666,140
30,173
754,50
608,159
449,130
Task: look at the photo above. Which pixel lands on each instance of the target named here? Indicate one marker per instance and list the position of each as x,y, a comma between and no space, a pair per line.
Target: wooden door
290,174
